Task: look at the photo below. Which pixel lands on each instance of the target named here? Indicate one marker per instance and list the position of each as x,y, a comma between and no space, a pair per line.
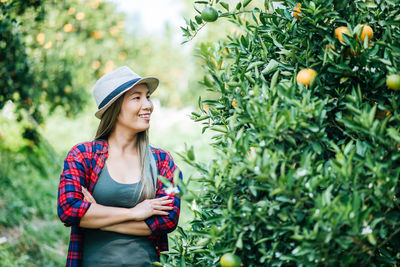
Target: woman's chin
143,128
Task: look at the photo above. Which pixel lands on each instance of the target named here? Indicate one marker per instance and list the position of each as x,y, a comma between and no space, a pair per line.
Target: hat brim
151,82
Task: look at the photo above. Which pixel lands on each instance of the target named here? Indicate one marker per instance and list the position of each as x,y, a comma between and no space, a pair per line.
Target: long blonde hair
148,165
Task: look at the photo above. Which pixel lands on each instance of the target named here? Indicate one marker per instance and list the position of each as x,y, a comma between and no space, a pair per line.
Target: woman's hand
150,207
87,196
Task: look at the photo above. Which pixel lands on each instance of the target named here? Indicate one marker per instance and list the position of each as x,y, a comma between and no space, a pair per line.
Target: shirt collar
103,149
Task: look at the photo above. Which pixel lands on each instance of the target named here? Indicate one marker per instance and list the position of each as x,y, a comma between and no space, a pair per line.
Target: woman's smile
145,116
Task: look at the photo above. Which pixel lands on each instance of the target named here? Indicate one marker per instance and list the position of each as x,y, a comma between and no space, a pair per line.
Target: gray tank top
103,248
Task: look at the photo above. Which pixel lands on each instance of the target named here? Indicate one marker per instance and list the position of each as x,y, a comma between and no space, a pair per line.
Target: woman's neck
123,141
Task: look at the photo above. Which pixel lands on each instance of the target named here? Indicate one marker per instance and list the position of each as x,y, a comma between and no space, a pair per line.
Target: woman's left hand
87,196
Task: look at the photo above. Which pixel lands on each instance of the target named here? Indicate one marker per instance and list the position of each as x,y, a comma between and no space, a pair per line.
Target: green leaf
225,5
246,3
274,80
272,65
239,241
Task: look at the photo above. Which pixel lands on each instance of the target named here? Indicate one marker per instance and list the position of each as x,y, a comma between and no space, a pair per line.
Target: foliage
305,175
28,219
51,49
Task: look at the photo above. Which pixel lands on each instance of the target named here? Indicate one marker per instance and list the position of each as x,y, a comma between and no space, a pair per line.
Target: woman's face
136,109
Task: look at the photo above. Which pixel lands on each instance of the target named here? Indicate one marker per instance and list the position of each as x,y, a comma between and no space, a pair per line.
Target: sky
154,14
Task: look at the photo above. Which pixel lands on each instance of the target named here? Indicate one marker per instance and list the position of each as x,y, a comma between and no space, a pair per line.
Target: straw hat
112,85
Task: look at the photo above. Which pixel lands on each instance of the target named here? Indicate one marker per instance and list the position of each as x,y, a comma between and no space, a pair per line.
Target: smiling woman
109,189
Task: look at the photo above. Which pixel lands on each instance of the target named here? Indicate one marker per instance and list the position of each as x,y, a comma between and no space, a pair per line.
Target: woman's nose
147,104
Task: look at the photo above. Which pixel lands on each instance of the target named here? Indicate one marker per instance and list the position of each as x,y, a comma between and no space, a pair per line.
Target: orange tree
307,166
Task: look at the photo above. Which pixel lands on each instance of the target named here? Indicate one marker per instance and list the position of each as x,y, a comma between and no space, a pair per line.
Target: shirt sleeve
163,224
70,204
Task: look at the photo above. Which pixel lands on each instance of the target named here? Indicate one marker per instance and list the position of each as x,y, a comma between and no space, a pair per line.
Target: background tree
308,146
53,51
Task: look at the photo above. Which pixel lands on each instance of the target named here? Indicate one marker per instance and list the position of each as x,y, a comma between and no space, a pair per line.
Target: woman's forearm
138,228
98,216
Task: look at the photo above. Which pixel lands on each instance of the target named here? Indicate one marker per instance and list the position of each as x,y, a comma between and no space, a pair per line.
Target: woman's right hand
150,207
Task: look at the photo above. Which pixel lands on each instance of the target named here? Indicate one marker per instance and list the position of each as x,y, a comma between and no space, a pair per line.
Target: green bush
305,175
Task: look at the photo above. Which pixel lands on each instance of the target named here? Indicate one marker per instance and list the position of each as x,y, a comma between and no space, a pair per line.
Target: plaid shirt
82,167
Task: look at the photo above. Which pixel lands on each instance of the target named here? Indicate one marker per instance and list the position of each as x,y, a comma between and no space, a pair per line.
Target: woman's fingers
84,191
160,212
87,196
161,198
165,202
157,207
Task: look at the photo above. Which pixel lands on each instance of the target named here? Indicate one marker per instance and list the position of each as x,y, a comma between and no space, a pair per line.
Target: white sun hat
113,84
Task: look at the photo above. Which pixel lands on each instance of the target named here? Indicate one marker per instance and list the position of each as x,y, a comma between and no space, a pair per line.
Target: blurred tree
52,50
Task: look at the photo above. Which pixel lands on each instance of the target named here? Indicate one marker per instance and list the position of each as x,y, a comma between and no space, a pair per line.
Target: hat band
117,91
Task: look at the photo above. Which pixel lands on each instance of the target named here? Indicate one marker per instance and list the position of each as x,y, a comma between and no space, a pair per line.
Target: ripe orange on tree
297,11
80,16
40,38
305,76
68,27
230,260
234,103
339,31
366,31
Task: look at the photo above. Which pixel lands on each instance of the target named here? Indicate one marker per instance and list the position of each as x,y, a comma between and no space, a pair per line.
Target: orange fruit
68,27
97,34
230,260
339,31
71,11
48,45
96,64
80,16
393,81
297,11
366,31
234,103
40,38
305,76
209,14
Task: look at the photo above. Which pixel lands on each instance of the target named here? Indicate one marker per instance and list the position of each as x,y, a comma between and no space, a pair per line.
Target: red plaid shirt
82,167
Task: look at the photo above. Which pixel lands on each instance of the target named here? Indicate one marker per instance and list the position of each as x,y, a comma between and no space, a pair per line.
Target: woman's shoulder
161,155
165,163
89,147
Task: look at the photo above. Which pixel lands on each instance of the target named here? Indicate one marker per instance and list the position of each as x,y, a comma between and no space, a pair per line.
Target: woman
119,212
